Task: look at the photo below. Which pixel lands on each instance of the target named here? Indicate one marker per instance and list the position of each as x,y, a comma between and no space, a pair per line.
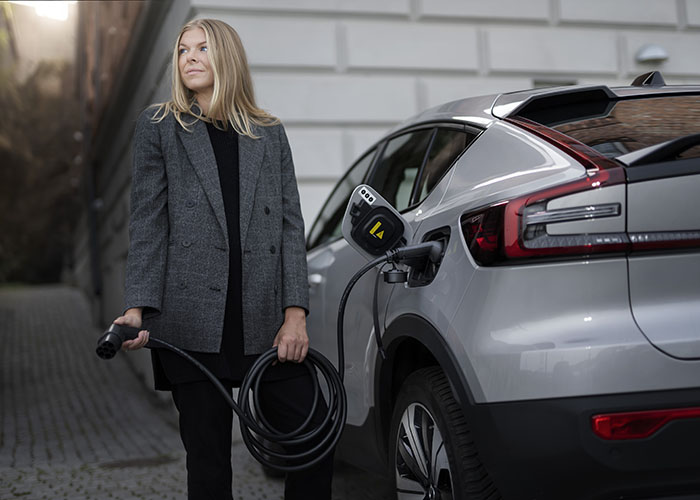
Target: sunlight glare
52,10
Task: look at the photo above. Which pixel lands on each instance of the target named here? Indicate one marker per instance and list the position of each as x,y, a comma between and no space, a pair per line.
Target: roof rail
650,79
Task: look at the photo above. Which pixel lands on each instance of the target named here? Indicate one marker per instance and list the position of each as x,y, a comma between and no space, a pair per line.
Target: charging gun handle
430,249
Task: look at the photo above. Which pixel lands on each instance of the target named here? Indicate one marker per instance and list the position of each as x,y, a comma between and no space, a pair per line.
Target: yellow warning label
376,226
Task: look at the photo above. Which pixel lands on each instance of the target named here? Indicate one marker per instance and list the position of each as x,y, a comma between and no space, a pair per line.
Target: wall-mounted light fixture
651,53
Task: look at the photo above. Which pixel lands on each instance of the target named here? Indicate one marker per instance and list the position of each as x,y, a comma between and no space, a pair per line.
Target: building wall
341,72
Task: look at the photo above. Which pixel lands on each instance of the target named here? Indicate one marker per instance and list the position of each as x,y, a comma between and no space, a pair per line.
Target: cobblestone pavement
73,426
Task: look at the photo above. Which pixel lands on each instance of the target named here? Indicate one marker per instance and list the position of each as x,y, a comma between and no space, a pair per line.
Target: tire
432,452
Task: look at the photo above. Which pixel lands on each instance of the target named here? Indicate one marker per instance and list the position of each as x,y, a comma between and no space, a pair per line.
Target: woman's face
193,62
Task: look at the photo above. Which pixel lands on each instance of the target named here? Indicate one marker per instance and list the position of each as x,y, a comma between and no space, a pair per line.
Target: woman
217,262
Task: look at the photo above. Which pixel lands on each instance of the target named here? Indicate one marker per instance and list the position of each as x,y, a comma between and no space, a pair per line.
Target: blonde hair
233,98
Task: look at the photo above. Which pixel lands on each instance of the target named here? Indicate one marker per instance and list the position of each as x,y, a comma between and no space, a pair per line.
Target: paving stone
75,427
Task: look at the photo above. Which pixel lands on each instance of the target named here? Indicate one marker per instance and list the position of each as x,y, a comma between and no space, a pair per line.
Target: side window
398,167
447,146
329,223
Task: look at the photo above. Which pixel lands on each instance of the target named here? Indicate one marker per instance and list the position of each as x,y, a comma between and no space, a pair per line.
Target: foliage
39,179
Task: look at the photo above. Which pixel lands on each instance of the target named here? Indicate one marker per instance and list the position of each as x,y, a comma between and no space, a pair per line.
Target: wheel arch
413,343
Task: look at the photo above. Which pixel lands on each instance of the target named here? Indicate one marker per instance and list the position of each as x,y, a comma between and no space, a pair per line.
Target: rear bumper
546,449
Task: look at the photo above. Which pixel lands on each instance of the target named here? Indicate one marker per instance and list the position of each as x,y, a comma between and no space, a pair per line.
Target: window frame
434,125
385,142
375,148
379,148
468,131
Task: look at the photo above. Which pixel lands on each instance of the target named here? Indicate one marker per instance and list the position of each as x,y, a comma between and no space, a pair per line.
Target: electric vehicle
553,351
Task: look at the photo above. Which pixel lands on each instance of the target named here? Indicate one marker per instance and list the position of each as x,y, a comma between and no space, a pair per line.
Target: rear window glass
619,127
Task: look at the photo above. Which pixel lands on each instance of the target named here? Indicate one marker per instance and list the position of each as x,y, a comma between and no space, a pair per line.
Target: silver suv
554,350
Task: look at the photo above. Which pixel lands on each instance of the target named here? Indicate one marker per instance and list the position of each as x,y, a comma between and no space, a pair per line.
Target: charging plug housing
371,225
111,341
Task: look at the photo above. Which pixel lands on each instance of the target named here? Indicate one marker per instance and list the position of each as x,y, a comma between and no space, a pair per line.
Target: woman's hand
132,317
291,341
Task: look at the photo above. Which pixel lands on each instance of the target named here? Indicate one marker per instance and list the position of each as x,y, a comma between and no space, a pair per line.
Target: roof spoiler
650,79
513,104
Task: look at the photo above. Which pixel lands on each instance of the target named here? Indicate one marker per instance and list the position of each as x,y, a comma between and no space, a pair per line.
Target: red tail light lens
637,424
517,229
484,234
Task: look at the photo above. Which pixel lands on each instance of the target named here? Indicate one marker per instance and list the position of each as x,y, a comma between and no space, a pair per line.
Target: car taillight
516,229
637,424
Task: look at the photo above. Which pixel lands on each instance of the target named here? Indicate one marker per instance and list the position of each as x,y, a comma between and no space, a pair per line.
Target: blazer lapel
250,157
201,156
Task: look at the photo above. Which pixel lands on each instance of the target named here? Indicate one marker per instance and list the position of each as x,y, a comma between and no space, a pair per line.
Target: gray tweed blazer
177,266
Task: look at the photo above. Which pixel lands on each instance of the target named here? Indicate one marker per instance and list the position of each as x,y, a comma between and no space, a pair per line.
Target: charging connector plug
112,340
414,254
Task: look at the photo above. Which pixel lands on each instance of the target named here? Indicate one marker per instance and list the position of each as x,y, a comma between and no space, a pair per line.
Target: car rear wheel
433,454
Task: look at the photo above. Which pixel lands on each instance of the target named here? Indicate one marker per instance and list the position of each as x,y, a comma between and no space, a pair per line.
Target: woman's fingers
301,347
292,342
142,339
128,320
282,351
296,352
290,349
137,343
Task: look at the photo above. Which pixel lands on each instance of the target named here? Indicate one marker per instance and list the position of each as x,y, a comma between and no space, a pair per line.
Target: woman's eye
182,51
203,49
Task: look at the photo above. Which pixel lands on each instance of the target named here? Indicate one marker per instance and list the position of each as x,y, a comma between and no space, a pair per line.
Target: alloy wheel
422,466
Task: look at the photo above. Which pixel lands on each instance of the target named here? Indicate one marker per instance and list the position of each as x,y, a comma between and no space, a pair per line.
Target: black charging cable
296,450
410,255
307,445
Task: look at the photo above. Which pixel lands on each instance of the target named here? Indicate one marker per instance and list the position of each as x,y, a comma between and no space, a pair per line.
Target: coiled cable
268,445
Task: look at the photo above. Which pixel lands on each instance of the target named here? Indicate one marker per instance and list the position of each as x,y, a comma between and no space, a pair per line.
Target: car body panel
671,204
475,111
665,298
665,289
504,162
520,350
324,297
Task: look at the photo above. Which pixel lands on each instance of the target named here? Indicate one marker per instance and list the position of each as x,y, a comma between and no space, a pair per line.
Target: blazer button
186,243
182,285
190,203
267,210
273,249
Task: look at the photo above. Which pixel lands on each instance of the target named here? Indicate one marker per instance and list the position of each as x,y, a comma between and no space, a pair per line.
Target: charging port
424,273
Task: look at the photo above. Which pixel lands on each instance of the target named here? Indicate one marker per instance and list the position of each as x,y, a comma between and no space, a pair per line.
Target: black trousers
205,428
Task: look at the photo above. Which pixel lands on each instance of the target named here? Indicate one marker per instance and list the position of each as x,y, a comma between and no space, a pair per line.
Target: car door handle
315,279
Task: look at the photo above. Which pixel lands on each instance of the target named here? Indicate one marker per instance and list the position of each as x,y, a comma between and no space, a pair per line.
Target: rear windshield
614,128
